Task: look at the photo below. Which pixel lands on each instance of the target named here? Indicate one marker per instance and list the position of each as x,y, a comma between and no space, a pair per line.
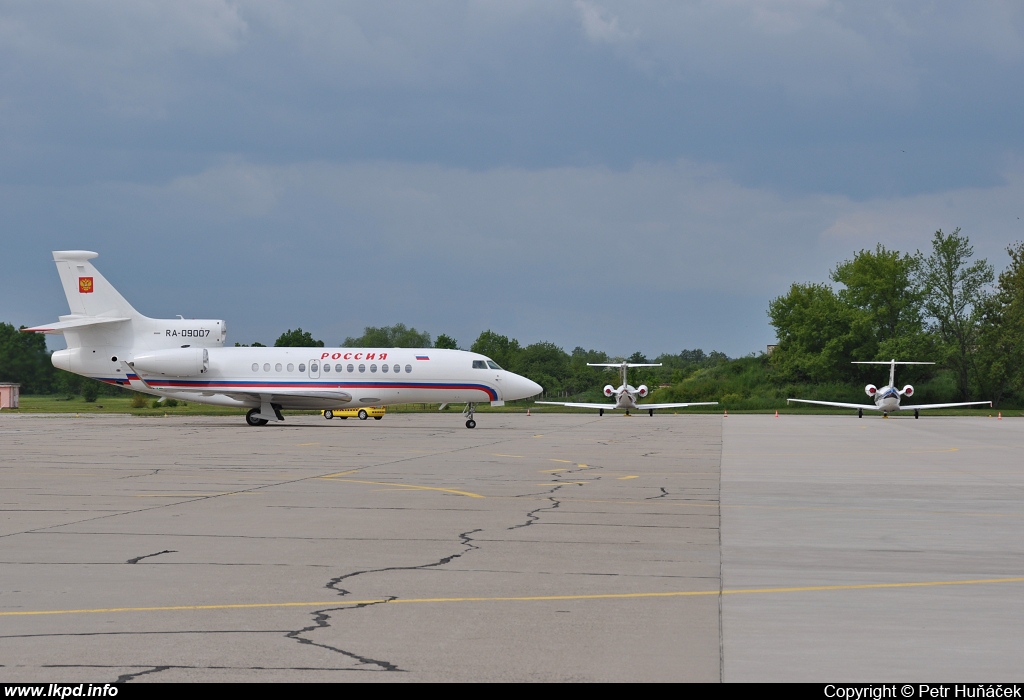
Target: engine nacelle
609,390
870,390
180,362
642,391
907,391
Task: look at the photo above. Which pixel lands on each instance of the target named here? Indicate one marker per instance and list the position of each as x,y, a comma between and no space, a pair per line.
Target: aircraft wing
606,406
947,405
656,406
869,407
285,396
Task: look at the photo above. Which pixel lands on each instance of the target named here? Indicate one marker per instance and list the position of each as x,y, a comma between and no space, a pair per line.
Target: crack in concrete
136,476
664,492
126,677
136,560
321,618
533,516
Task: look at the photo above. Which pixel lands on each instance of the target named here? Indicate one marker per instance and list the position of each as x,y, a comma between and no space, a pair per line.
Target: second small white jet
887,398
626,396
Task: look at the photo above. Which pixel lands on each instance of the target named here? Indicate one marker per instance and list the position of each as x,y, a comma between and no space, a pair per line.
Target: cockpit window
479,364
492,364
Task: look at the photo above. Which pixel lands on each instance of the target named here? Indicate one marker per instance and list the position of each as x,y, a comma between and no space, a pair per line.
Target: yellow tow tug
375,412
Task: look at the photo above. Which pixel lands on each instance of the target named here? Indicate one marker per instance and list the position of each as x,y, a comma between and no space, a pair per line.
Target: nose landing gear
468,413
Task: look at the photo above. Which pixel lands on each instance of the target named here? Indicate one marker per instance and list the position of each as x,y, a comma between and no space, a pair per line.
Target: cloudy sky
624,176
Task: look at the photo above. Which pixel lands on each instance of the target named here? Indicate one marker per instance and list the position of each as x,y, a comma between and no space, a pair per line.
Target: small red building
9,394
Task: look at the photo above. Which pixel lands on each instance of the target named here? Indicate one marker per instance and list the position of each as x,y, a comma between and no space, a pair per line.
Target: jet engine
870,390
180,362
609,390
642,391
907,391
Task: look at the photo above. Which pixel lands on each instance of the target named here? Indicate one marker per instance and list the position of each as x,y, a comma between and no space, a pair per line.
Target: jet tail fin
88,292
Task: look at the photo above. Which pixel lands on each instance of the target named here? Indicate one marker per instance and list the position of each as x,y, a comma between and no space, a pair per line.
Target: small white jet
887,398
626,396
180,358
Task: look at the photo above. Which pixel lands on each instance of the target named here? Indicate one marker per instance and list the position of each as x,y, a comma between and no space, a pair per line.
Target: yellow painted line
350,471
536,436
564,461
411,486
338,602
582,466
623,478
307,444
497,454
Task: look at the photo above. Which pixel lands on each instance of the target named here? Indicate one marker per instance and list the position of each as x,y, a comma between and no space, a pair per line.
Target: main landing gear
254,416
651,413
860,412
253,419
470,410
600,411
917,414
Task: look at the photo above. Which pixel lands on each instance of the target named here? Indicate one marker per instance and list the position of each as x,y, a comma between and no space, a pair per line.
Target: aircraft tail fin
88,292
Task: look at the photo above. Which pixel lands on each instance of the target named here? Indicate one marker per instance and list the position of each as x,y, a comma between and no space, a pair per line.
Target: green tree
954,295
446,341
583,378
297,338
545,363
1000,347
396,336
261,345
883,284
497,347
818,334
25,360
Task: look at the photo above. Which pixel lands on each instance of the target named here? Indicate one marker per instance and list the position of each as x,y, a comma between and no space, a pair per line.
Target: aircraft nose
521,388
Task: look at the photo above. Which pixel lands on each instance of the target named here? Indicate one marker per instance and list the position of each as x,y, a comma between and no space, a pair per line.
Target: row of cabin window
327,368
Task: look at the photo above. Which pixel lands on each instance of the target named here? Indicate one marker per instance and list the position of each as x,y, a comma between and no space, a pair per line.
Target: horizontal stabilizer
59,327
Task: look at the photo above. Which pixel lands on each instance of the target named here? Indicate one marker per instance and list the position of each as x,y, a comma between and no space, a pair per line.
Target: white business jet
626,396
887,398
180,358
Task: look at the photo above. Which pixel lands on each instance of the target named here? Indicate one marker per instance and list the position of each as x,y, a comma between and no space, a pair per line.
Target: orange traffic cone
1000,417
776,413
527,411
726,413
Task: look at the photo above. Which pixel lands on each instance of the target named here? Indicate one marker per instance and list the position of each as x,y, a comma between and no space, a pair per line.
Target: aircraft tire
328,414
600,411
363,415
471,424
917,414
860,413
651,413
252,420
